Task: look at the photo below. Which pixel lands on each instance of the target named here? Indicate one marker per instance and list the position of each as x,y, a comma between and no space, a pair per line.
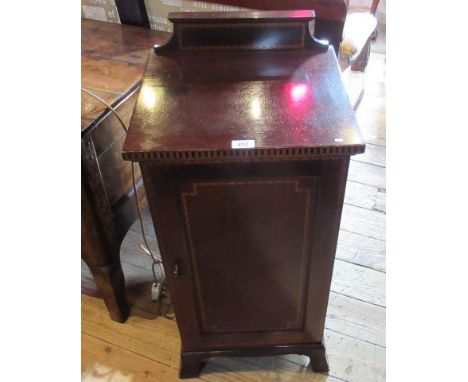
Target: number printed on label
243,144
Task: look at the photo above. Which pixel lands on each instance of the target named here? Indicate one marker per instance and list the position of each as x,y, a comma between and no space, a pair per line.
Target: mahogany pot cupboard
243,131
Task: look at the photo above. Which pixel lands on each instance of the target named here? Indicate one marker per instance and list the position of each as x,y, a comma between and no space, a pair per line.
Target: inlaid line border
295,325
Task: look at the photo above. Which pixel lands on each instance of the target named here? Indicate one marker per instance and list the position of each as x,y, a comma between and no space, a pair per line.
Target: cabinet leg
190,364
318,360
111,284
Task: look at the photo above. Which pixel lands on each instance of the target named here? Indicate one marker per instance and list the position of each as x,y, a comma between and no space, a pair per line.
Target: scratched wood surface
146,347
113,59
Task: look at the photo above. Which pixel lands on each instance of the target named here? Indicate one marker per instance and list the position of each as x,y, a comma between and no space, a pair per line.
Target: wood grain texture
361,250
110,129
356,319
157,340
116,173
138,283
112,62
367,174
111,76
104,361
360,195
375,154
118,42
86,123
91,108
366,361
364,222
359,282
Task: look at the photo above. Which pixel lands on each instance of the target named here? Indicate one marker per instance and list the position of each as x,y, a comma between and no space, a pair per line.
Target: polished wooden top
113,58
194,103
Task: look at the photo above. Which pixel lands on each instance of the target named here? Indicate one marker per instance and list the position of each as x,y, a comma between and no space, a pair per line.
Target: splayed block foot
192,362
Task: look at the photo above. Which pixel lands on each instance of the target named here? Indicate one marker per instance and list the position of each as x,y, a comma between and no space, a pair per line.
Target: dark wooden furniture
329,21
330,15
113,59
243,132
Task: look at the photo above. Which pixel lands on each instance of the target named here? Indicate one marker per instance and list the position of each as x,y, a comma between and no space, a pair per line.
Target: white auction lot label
243,144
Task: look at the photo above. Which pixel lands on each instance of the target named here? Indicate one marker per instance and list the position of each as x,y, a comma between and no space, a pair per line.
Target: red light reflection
299,91
298,97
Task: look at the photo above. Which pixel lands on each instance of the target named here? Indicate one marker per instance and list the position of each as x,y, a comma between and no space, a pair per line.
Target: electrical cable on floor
146,247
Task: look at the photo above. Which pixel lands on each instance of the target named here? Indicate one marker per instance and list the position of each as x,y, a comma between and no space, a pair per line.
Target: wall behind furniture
102,10
106,10
159,9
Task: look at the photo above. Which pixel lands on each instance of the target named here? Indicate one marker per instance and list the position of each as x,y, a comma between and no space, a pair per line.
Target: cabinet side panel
330,199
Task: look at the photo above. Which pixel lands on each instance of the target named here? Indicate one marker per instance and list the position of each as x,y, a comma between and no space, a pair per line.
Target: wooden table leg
104,264
100,247
111,284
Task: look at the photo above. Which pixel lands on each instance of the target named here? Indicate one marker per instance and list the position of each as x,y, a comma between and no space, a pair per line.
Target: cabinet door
245,250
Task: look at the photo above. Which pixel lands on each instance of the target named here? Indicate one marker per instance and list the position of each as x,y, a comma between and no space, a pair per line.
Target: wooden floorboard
363,222
355,318
362,283
106,361
367,174
157,339
375,154
361,195
364,196
147,346
361,250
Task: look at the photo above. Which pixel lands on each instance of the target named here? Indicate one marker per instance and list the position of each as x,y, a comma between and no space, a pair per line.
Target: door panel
249,243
